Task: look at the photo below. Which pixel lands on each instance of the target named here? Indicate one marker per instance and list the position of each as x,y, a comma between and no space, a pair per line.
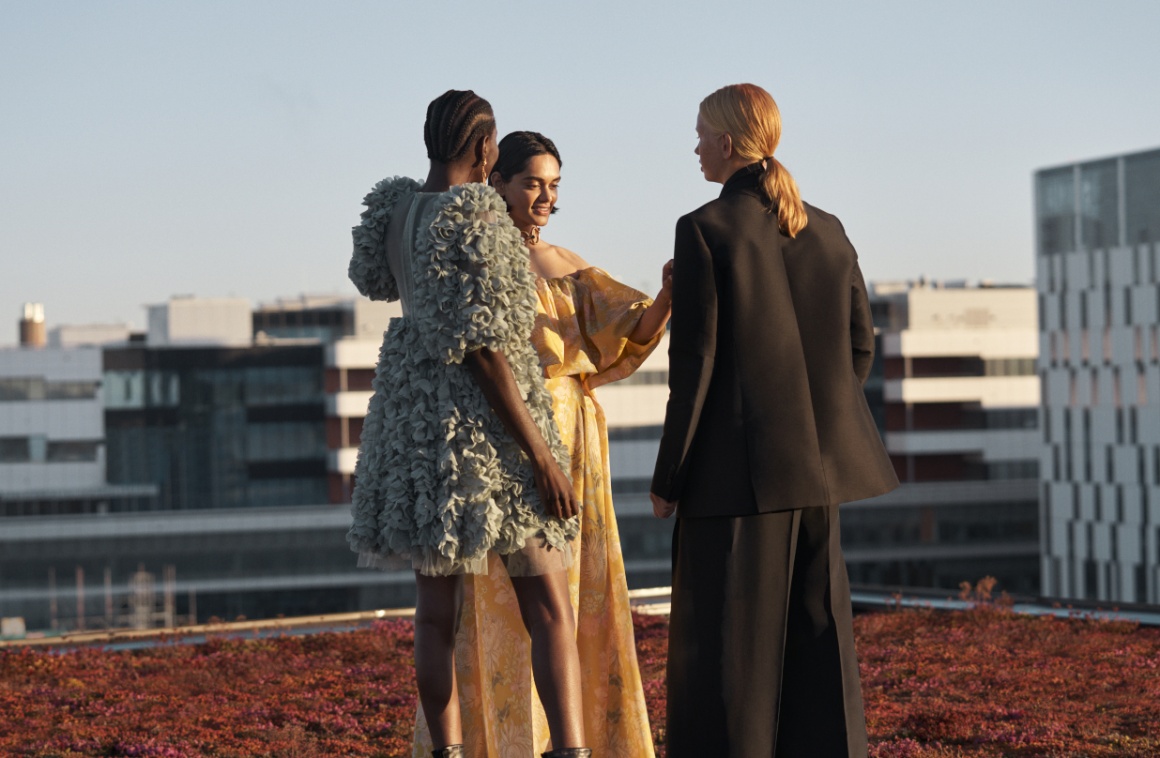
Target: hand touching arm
493,374
656,316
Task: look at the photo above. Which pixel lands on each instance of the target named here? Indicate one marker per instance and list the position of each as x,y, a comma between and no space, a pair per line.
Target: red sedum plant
984,682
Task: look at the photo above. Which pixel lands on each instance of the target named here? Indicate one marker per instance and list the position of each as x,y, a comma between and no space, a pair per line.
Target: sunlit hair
748,114
517,149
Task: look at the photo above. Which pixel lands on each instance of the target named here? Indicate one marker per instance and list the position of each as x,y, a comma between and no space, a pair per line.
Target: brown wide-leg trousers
761,644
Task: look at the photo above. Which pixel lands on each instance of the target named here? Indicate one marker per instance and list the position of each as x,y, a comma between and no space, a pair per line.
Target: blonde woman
766,432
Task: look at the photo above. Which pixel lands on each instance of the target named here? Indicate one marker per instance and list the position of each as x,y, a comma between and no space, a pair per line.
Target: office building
956,396
1097,229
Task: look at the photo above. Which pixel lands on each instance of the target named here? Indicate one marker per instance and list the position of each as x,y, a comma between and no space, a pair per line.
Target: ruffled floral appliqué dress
439,479
581,336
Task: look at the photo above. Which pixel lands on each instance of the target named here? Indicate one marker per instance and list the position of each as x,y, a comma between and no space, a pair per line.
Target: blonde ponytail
779,186
749,115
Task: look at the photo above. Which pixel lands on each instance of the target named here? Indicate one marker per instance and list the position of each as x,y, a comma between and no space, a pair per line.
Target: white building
220,321
955,393
1098,273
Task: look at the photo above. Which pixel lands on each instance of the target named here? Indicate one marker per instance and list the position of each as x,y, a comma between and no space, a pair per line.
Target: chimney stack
32,326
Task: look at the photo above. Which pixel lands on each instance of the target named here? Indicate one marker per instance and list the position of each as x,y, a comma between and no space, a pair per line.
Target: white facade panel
634,404
16,478
985,343
54,364
1051,321
993,444
352,353
1077,270
1057,388
342,461
349,404
990,391
55,419
1126,463
1121,265
226,321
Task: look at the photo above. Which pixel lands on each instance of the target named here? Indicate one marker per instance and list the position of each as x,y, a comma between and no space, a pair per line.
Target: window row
38,449
14,389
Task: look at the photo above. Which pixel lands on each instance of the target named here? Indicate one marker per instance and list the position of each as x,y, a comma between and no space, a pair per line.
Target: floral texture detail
439,479
583,323
368,264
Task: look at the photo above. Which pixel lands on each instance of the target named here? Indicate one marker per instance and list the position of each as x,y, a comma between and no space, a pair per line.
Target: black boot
451,751
569,752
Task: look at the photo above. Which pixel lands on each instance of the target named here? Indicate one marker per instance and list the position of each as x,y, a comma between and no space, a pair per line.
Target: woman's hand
555,489
666,282
662,508
652,322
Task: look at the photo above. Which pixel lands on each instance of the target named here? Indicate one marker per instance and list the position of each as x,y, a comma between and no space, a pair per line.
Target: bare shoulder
571,259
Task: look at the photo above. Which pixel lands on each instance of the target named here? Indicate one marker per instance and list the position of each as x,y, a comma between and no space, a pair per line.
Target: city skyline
219,150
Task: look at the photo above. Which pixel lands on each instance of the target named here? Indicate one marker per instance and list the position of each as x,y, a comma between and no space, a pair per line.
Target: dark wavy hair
455,120
517,148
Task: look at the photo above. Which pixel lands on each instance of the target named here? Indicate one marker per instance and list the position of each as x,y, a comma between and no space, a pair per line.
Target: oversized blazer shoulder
771,342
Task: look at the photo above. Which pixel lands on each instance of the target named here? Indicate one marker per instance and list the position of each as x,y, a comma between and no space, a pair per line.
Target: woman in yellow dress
590,330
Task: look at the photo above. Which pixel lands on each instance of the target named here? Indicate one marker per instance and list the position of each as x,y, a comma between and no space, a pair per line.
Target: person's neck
443,176
731,167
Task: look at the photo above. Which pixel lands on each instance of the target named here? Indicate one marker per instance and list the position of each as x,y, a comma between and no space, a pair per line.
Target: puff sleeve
473,285
368,267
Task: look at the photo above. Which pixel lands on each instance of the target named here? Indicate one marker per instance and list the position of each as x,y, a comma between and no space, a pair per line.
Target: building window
1099,205
37,388
631,486
635,433
22,388
1141,180
646,377
1011,366
71,451
1055,210
14,450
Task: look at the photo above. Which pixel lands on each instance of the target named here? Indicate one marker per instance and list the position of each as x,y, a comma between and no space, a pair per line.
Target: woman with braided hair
460,460
590,330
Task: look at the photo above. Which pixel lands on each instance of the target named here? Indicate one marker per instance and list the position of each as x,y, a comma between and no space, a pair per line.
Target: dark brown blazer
771,341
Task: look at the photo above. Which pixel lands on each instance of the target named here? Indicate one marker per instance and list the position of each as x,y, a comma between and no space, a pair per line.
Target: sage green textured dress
439,479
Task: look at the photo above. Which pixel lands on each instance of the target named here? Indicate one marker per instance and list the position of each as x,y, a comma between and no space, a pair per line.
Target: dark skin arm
493,374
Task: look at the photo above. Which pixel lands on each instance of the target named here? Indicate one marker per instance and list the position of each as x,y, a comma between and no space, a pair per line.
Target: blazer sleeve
692,345
861,325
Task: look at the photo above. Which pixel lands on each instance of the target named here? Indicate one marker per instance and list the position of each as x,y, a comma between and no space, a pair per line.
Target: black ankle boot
569,752
451,751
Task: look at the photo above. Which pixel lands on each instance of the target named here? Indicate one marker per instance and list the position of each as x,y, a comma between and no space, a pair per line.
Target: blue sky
149,149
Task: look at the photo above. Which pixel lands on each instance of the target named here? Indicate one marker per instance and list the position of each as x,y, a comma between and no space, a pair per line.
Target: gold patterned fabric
581,334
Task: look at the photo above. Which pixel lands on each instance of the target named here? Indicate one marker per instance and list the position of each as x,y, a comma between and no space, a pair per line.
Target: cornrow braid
455,121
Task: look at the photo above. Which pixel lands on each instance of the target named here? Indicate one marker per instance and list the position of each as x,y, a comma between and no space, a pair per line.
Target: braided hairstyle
455,121
517,148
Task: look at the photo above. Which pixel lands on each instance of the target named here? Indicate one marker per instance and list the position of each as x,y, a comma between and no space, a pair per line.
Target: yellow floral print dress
581,334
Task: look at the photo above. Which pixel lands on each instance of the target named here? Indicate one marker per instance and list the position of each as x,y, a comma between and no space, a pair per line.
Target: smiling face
714,151
531,194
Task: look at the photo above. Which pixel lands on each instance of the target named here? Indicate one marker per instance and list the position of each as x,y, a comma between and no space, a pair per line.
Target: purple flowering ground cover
983,682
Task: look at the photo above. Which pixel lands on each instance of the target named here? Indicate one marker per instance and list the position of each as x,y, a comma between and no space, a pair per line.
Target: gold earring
483,172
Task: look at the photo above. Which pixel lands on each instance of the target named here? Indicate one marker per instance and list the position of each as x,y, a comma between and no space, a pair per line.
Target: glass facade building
1098,258
218,427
